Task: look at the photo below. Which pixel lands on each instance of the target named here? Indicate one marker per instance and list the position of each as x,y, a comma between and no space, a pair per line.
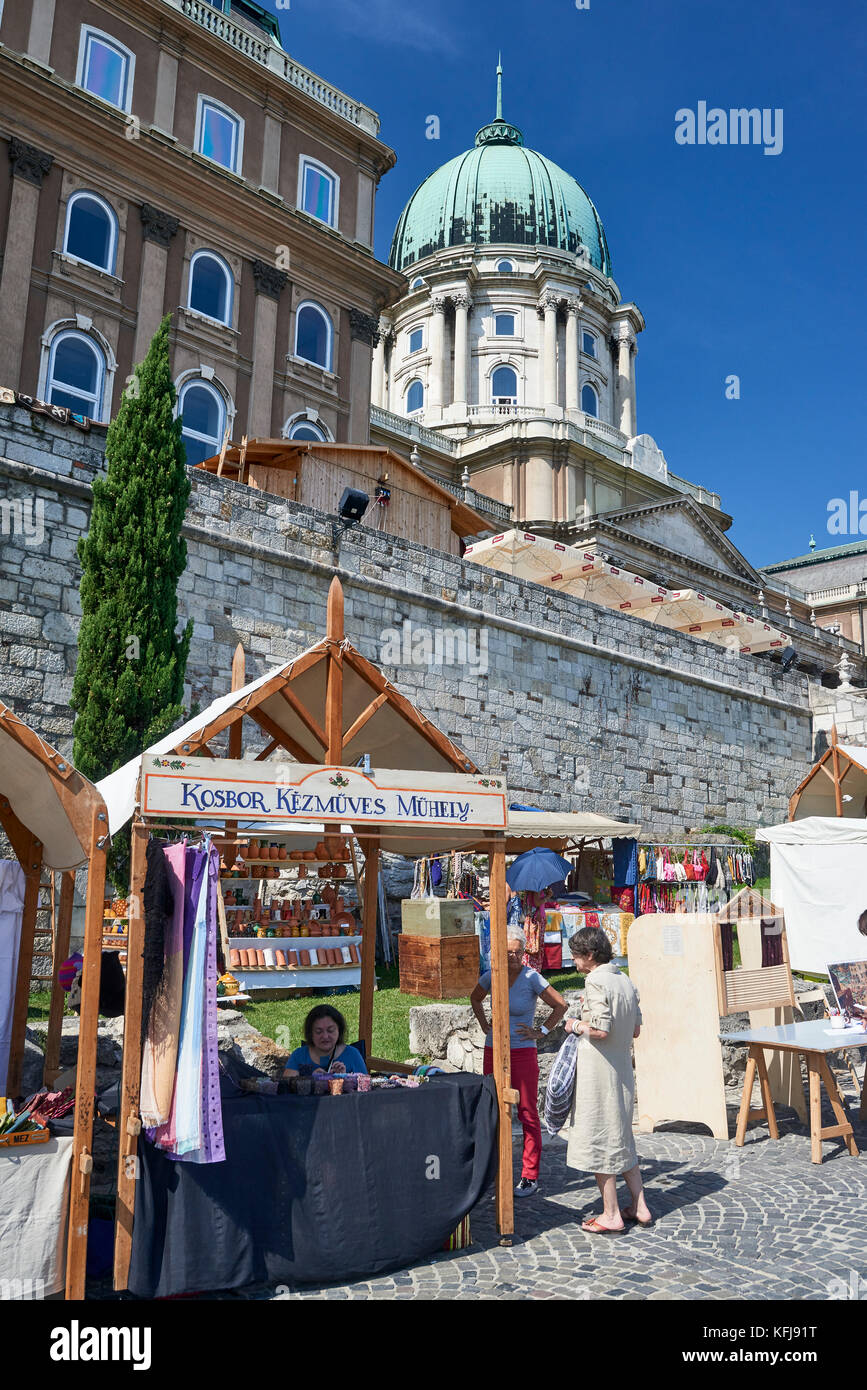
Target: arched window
504,386
505,267
504,325
76,374
313,334
105,67
589,401
318,188
414,397
203,412
416,340
417,283
211,286
305,429
91,231
219,134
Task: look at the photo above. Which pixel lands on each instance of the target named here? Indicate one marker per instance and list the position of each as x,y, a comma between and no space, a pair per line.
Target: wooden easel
675,961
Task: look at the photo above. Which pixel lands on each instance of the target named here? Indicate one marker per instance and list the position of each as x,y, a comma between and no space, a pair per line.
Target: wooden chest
436,916
439,967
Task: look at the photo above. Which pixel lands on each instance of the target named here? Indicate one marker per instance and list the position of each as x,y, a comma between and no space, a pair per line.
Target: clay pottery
234,957
302,872
274,851
281,959
309,854
281,853
296,854
253,849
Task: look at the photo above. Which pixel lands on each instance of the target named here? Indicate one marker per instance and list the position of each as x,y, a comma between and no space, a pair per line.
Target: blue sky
742,263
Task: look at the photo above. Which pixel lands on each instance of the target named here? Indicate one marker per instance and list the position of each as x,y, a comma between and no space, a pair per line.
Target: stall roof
816,830
566,825
45,795
816,795
288,703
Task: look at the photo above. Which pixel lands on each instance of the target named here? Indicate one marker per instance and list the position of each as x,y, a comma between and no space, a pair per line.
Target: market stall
55,821
327,706
819,878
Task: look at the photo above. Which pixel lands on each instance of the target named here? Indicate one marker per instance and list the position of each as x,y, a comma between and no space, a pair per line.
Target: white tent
819,879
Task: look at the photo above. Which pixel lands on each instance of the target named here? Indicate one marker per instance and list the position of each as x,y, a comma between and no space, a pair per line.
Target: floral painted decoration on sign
176,764
339,780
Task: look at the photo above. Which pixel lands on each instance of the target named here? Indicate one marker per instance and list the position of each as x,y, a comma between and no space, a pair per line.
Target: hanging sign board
210,787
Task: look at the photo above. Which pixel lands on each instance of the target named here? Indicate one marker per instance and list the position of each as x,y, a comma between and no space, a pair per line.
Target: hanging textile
772,941
193,1129
12,882
534,931
163,890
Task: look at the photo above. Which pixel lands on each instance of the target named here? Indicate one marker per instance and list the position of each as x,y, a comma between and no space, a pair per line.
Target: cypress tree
129,678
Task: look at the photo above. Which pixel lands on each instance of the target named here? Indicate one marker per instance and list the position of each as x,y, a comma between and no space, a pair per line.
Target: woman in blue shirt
324,1048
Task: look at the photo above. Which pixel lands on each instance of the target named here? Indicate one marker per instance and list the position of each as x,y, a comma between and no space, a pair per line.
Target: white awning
819,880
565,825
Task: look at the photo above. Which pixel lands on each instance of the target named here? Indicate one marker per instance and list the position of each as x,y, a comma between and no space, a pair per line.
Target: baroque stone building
506,368
171,156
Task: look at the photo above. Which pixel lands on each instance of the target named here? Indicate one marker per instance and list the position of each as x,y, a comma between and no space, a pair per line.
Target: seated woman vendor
324,1048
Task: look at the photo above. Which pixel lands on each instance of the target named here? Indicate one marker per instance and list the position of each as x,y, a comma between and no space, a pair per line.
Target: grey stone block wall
579,706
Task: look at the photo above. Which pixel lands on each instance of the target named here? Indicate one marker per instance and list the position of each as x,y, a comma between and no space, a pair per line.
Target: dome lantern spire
498,131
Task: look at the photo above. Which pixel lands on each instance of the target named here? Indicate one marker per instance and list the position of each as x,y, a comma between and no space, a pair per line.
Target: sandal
593,1228
628,1214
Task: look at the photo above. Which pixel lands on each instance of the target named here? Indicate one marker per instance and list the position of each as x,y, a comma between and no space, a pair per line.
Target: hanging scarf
164,885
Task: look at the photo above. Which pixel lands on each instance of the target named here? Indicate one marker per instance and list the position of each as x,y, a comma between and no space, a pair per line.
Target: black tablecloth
315,1188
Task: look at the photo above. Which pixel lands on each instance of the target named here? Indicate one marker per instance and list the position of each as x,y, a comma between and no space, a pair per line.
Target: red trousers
524,1067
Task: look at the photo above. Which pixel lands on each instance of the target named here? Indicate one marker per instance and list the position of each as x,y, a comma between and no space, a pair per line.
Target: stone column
633,349
624,385
270,283
166,88
378,391
158,228
437,337
548,307
41,30
573,338
363,330
463,304
271,154
29,167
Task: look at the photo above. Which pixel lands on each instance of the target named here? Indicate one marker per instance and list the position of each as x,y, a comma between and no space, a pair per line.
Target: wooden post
500,1032
129,1121
61,951
368,941
32,866
334,678
236,730
85,1077
835,759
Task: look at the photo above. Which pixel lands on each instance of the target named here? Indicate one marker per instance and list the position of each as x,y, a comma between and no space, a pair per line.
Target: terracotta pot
234,958
253,850
282,853
274,851
281,959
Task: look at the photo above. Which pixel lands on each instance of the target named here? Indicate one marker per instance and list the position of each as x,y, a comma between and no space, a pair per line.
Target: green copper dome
499,194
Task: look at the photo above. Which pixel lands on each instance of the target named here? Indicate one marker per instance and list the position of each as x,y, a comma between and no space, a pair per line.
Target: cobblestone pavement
757,1223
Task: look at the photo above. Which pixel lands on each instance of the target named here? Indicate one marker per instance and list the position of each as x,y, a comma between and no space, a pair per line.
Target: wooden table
814,1039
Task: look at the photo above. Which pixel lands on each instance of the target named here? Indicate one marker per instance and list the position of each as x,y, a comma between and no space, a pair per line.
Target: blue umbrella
537,869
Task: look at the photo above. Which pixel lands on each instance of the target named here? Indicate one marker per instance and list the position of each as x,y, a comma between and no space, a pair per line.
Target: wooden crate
439,967
437,916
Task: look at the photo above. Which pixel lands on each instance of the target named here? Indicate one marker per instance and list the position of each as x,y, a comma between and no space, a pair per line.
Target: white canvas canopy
567,825
819,880
586,574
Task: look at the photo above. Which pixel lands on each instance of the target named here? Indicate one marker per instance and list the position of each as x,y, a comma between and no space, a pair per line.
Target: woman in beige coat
600,1126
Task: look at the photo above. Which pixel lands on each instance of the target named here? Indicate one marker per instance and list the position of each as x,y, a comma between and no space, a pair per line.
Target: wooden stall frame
86,814
332,741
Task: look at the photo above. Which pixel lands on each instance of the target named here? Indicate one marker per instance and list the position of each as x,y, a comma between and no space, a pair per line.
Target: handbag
561,1085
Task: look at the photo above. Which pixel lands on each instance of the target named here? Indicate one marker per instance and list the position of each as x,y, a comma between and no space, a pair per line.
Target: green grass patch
39,1005
390,1012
